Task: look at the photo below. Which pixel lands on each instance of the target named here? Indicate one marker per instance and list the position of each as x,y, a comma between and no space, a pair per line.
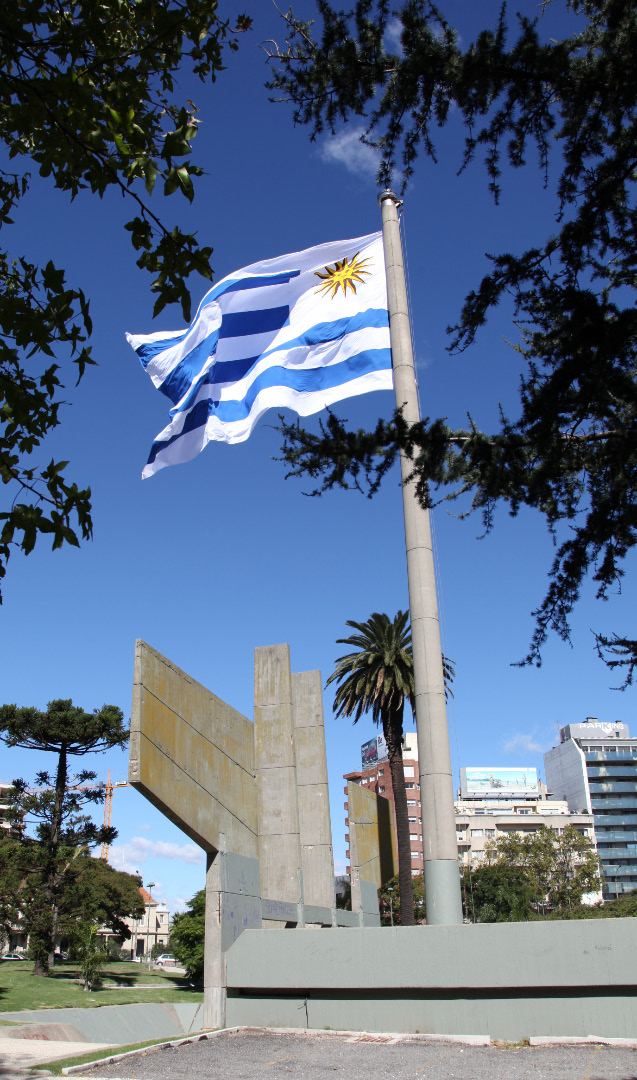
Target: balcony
619,755
616,819
627,837
600,787
614,770
606,853
614,870
609,803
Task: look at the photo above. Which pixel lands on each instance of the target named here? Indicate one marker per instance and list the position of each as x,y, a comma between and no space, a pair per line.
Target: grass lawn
120,985
56,1067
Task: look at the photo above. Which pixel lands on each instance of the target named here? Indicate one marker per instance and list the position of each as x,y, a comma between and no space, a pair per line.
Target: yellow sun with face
343,275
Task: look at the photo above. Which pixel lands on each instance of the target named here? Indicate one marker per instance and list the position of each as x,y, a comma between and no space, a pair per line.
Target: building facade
376,776
479,821
153,929
492,802
594,769
5,788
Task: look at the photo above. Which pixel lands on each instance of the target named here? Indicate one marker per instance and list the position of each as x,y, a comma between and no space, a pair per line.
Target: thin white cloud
347,149
524,744
393,32
144,828
340,867
130,855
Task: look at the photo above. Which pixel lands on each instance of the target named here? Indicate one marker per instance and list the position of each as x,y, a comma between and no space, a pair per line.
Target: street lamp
390,890
148,951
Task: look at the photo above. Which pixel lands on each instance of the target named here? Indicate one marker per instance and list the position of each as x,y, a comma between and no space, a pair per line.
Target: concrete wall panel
507,981
372,848
582,952
315,829
510,1019
192,756
278,811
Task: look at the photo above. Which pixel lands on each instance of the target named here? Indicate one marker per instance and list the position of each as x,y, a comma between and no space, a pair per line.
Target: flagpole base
442,893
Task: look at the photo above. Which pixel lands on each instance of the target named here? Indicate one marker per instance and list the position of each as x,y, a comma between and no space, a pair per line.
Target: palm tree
379,677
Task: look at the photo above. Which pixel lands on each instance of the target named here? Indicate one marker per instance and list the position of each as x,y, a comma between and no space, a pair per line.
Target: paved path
265,1055
16,1055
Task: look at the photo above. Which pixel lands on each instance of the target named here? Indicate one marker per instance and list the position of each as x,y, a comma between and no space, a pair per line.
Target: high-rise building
594,769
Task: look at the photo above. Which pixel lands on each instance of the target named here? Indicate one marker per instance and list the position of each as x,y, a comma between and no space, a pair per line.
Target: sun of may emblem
342,275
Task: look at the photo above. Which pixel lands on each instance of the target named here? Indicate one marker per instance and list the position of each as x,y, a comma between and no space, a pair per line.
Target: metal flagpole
440,848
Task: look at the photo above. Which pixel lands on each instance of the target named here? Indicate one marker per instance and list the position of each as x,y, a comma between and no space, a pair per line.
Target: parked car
12,956
165,958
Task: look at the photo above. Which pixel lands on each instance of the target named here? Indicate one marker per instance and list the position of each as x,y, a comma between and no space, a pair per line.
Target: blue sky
207,560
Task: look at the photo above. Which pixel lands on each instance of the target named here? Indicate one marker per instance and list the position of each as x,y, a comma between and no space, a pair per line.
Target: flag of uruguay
300,331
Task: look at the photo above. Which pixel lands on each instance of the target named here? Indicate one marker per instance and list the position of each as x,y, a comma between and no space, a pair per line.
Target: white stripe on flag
301,331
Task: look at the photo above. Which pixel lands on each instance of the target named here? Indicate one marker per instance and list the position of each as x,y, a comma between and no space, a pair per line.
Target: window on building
480,811
411,802
412,820
477,832
489,832
381,772
381,789
408,770
409,785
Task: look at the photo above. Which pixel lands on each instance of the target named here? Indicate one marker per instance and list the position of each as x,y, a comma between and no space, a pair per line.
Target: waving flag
301,331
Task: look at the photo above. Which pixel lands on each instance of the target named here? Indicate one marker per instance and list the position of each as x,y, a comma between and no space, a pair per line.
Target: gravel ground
265,1055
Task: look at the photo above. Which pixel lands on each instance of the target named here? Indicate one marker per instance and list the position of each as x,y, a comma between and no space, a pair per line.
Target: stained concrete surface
108,1025
267,1055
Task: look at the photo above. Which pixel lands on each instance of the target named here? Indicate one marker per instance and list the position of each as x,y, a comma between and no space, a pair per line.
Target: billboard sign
498,782
373,751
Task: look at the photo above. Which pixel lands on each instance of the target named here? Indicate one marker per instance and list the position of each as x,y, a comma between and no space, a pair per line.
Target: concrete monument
254,796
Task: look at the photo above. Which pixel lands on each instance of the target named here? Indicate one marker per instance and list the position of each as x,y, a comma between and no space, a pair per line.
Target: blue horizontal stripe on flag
245,323
321,333
230,371
306,381
178,381
239,284
150,349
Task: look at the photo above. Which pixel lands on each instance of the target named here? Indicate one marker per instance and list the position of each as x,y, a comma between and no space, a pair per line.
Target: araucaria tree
55,807
379,678
88,99
570,452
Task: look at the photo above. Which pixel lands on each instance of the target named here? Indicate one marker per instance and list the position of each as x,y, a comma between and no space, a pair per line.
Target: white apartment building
480,820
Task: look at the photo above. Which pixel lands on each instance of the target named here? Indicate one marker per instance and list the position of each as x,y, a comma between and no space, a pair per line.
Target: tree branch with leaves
570,452
88,96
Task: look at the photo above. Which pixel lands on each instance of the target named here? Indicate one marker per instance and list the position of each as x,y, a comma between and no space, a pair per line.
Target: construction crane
108,808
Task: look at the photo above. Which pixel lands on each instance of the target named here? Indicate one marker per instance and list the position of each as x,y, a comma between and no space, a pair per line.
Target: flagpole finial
389,194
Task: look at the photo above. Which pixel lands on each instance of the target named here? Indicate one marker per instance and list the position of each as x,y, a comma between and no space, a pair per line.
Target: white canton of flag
301,331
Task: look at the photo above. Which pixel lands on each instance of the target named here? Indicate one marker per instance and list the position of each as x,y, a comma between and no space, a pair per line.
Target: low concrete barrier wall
113,1025
508,980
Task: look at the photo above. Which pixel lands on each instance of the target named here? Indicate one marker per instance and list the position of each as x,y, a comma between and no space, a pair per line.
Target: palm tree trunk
393,731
